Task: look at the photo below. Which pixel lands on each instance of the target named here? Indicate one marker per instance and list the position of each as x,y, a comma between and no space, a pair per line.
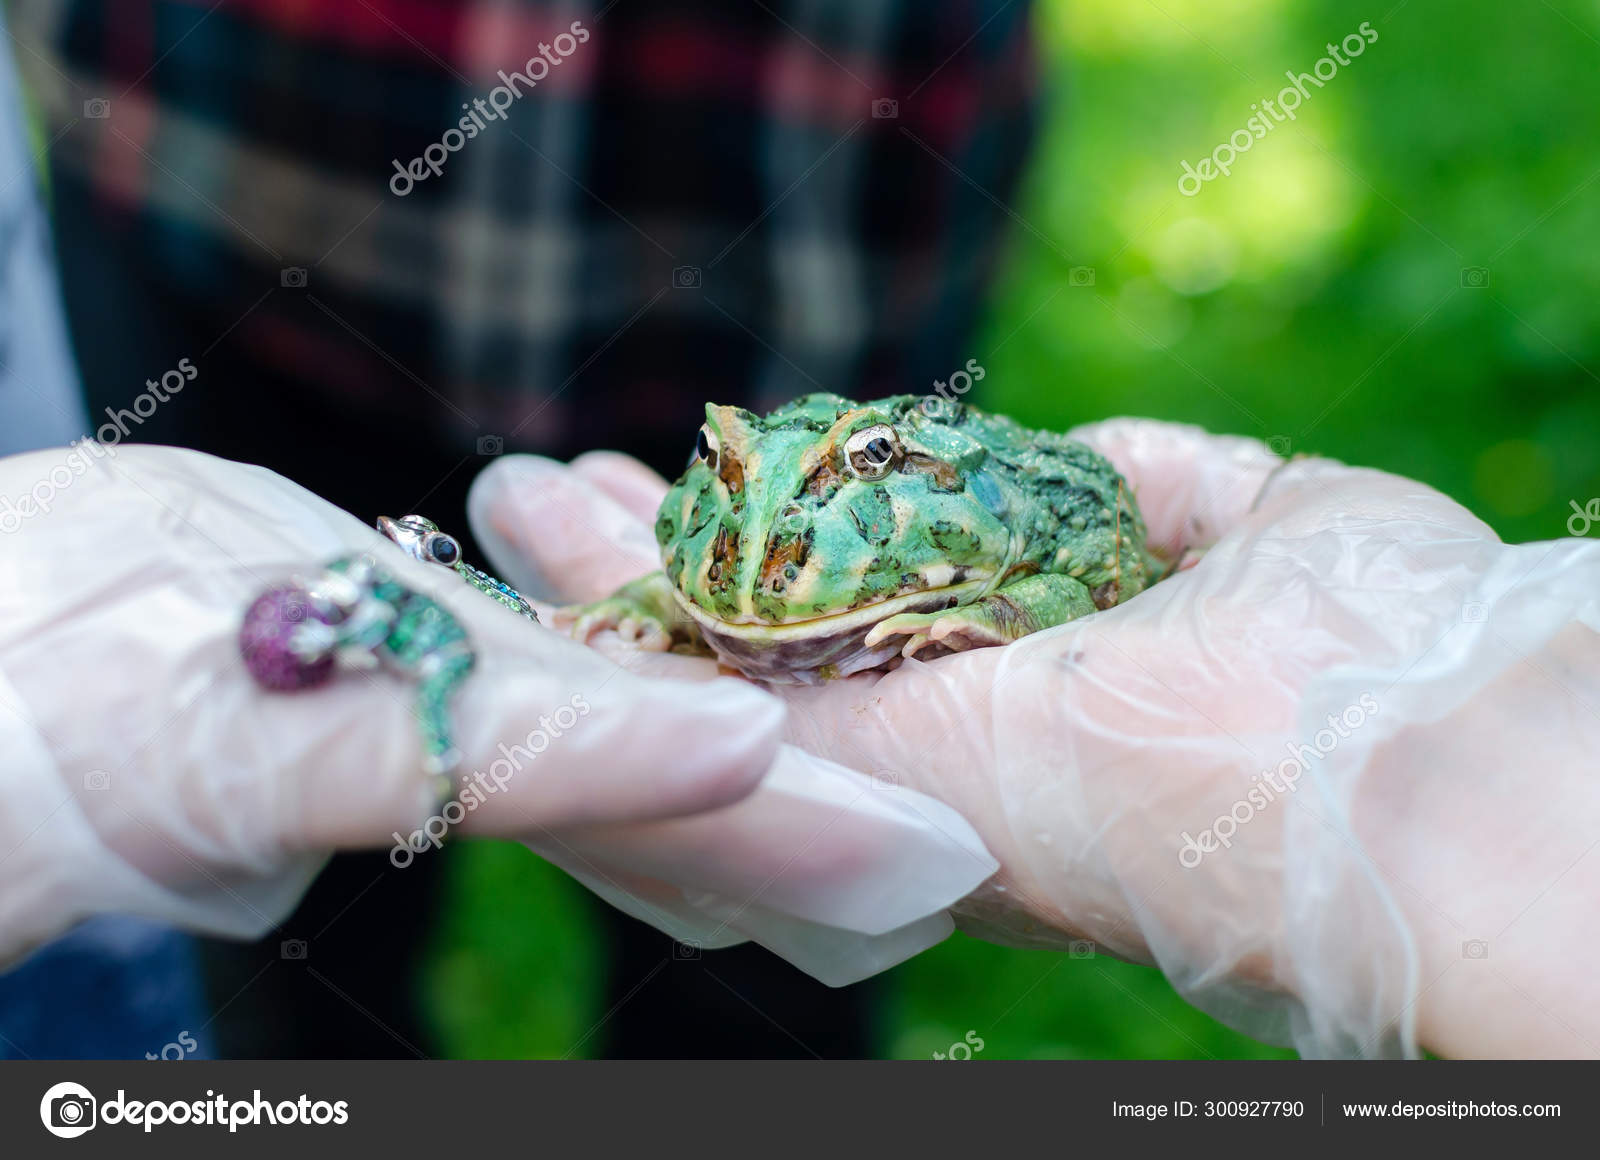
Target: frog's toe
901,624
645,633
584,625
957,632
914,644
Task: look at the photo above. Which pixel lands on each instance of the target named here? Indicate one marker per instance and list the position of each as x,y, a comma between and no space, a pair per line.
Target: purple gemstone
266,635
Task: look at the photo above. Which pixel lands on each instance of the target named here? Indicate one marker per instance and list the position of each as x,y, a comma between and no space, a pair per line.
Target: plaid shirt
676,202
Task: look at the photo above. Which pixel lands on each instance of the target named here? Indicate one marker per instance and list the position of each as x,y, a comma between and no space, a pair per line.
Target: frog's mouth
861,618
802,651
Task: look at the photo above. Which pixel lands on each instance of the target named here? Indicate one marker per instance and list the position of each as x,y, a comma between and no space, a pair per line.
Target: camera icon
97,108
293,278
96,780
1474,612
71,1114
490,445
1080,276
1474,277
685,952
1279,445
1080,948
885,109
1475,948
293,950
686,278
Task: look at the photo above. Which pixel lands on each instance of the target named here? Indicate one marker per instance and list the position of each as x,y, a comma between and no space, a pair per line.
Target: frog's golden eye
705,447
872,452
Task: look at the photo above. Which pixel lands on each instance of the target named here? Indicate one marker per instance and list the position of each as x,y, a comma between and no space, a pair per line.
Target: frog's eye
442,549
872,452
705,447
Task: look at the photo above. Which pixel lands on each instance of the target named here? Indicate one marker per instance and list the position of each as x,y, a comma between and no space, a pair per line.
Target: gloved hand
1336,778
143,771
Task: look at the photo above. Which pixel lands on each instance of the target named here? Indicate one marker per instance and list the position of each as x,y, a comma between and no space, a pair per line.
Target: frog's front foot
1022,607
637,625
642,612
954,631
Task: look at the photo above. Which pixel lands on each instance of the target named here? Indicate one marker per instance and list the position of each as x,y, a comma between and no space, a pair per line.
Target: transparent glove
1336,777
143,771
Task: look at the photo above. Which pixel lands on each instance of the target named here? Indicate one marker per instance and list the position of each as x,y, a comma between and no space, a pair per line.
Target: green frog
831,537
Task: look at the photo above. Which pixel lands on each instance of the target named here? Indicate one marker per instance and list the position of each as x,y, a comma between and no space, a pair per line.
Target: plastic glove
143,771
1335,779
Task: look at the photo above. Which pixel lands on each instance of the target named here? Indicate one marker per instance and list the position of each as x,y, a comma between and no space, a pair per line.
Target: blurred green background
1403,277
